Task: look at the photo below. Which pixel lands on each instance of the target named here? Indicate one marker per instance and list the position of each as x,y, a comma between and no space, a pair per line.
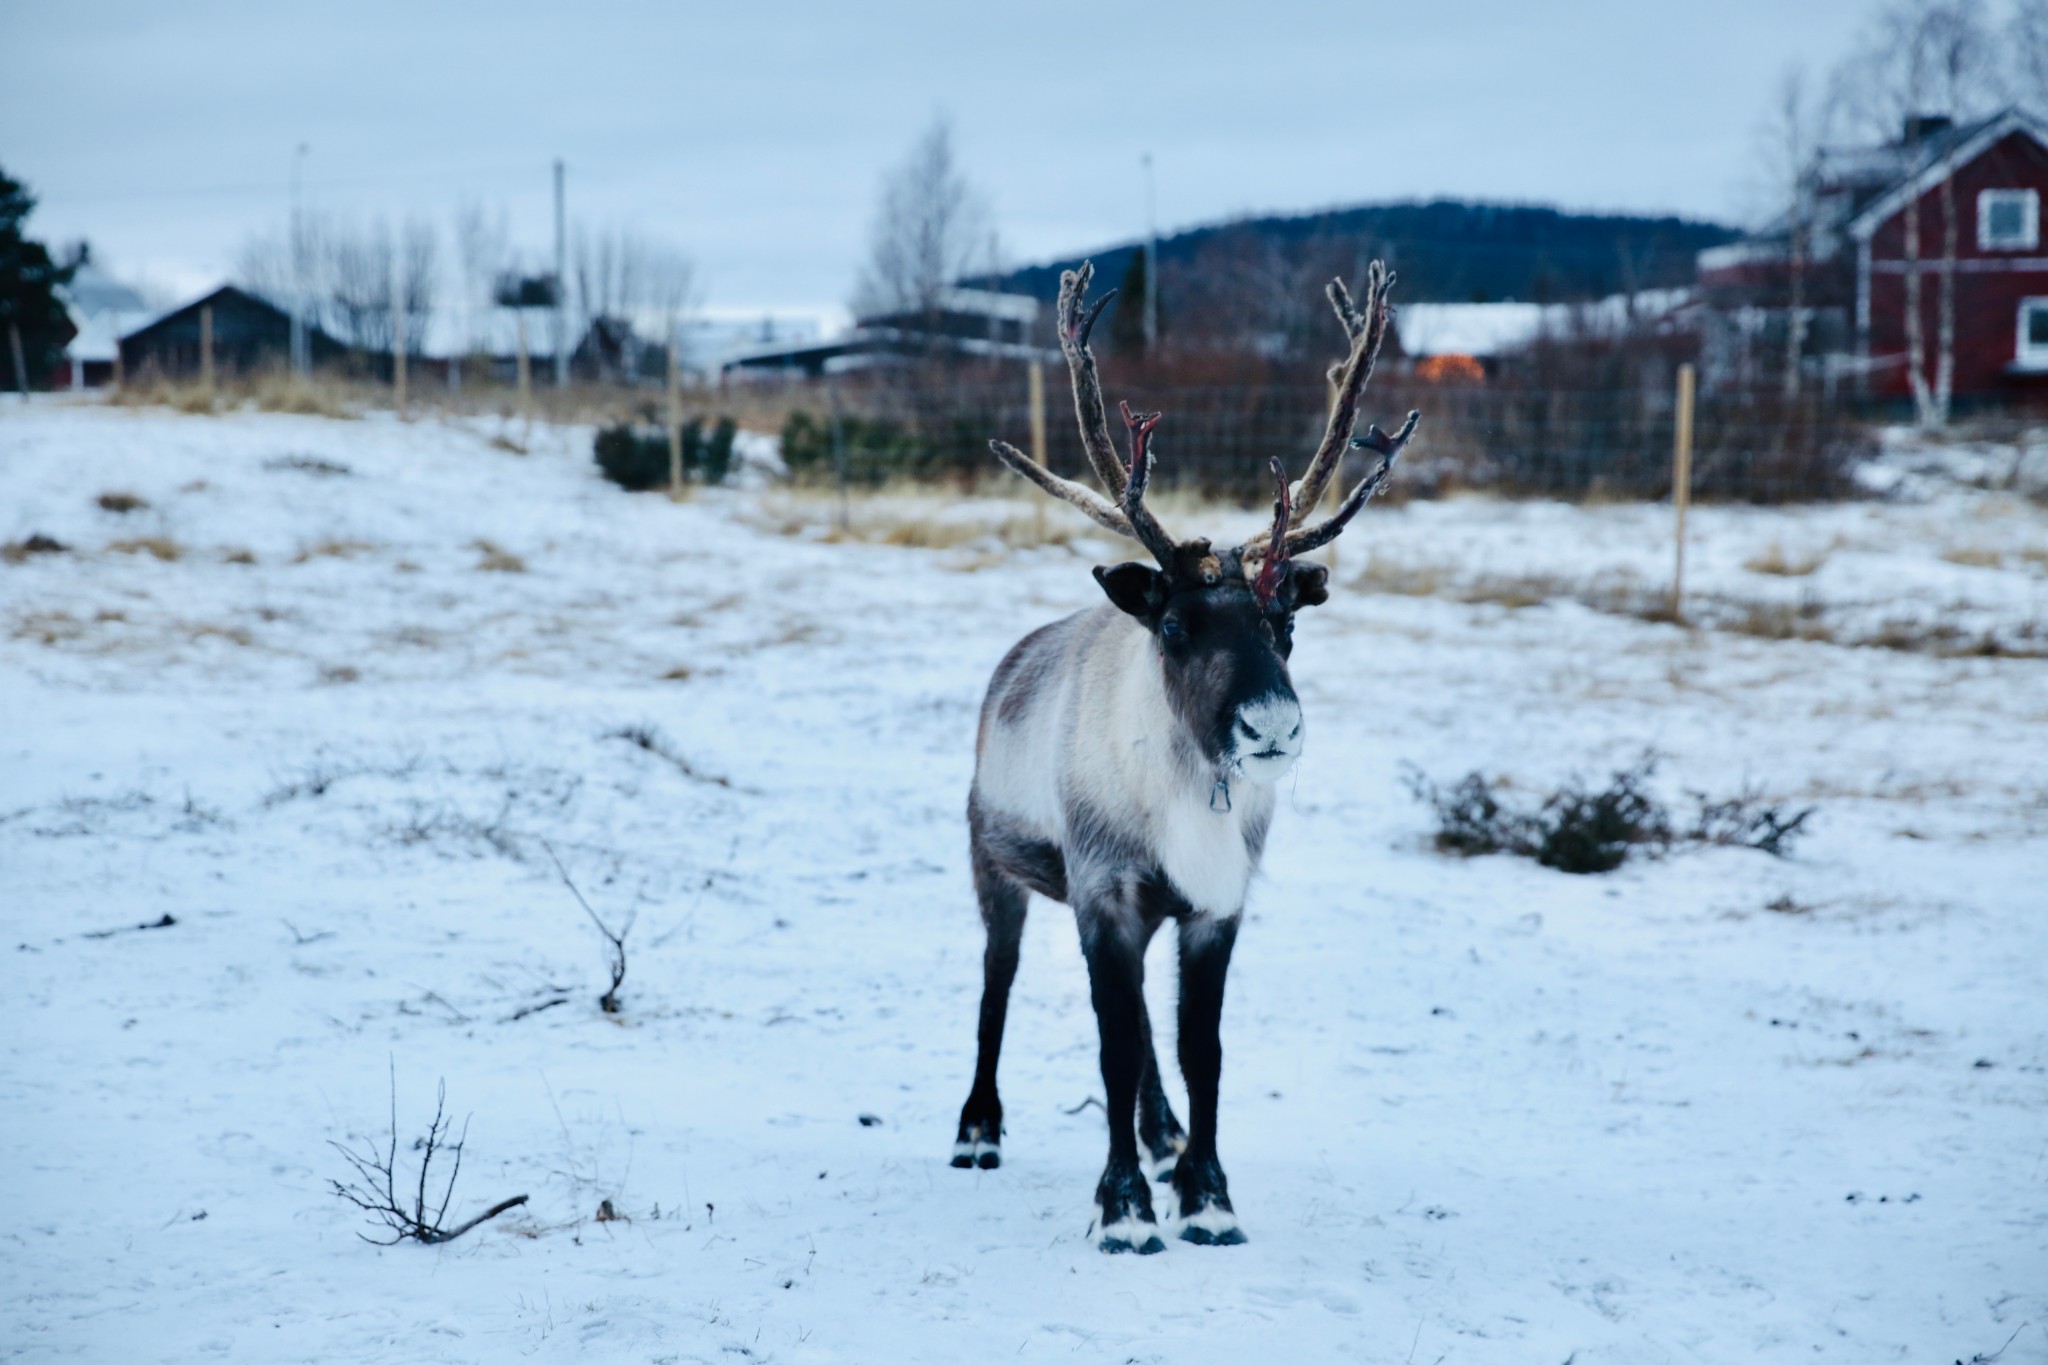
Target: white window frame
2030,215
2027,356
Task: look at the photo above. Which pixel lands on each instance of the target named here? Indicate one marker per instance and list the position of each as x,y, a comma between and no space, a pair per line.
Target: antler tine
1366,332
1301,541
1075,325
1276,547
1066,490
1144,525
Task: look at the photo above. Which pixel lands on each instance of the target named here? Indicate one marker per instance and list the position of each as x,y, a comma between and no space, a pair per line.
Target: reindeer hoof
1131,1235
1201,1206
1213,1228
977,1152
1159,1163
979,1145
1123,1214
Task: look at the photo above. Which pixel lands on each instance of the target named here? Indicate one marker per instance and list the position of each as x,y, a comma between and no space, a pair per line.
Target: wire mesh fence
1215,439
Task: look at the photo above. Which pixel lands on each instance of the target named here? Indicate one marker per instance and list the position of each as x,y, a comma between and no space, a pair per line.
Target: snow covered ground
1718,1107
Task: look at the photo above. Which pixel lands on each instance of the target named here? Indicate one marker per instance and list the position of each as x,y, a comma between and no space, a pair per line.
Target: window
2032,353
2008,220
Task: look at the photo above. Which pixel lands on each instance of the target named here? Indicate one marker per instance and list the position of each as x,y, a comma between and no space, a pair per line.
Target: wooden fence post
398,351
1681,484
675,422
206,350
525,379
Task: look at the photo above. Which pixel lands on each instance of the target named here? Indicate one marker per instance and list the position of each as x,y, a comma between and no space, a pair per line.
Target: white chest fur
1202,850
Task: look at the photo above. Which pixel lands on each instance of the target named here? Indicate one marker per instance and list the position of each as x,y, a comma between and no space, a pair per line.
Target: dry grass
267,391
122,502
196,631
332,548
237,555
47,627
1622,595
163,547
1776,562
912,518
496,560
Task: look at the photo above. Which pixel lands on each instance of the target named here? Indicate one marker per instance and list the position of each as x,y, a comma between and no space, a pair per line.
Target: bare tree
629,286
482,253
1788,141
2025,42
1922,58
419,276
930,229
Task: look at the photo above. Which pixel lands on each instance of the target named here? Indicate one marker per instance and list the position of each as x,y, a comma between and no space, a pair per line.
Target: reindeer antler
1075,324
1124,511
1366,331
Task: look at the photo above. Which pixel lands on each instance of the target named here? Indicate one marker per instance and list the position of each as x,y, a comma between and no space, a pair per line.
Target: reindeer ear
1307,585
1137,589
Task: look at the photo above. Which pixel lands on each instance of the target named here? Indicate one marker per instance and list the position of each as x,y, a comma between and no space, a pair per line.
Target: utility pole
561,285
1151,260
302,362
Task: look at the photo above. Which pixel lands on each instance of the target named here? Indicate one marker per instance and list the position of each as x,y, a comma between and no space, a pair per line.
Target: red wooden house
1991,175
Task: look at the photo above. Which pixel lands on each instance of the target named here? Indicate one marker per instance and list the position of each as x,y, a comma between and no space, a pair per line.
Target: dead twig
376,1189
164,923
525,1010
609,1001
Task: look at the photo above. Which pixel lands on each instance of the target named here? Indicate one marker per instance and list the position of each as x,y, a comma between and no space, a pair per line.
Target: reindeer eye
1171,629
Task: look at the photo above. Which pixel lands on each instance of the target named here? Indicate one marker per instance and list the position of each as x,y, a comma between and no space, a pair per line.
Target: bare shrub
122,503
15,551
609,1001
375,1189
1584,829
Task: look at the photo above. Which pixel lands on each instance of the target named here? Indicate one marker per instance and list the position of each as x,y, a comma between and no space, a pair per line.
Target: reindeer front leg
1112,940
1201,1196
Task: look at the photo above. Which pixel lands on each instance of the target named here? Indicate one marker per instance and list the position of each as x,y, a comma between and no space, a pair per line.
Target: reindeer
1125,765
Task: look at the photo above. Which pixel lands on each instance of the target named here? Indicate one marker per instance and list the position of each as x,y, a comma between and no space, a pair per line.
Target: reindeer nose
1269,728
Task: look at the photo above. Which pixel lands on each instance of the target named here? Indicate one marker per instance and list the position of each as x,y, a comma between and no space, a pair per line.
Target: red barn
1988,179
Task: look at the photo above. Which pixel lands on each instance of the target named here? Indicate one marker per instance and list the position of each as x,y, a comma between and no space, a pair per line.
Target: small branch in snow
166,922
1084,1104
525,1010
656,743
609,1001
375,1191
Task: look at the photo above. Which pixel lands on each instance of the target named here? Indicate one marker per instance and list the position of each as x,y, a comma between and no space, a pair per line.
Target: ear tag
1219,796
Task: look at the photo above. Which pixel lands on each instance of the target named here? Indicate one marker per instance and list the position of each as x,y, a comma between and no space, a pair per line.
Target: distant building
970,323
1858,202
102,309
249,333
1490,331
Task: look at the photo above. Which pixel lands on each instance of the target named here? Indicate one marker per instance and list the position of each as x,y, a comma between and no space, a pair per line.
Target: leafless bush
375,1189
609,1001
1584,829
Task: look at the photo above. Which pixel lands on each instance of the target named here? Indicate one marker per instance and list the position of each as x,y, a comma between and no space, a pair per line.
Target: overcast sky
753,135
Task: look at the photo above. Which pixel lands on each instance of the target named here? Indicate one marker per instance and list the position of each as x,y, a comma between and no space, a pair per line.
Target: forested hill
1445,251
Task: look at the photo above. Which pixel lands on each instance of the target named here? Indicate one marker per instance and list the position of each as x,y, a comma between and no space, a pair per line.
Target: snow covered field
1718,1107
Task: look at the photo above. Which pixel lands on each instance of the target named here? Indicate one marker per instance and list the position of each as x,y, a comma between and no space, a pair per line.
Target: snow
1491,329
1472,1110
